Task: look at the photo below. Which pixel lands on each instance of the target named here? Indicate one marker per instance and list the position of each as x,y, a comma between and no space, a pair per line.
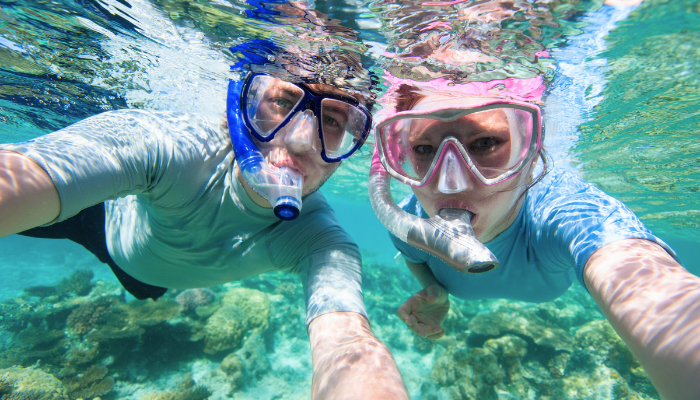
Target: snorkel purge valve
448,235
281,187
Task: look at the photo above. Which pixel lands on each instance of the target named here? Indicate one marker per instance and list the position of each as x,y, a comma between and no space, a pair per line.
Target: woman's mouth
452,203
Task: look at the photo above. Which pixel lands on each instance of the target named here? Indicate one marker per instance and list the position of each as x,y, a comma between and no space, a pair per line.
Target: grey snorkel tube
448,235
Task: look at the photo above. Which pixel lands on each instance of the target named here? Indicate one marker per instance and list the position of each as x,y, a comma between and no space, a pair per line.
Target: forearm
28,197
423,274
349,362
654,305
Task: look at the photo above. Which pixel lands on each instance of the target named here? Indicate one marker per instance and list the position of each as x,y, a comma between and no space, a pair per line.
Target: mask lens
495,140
343,126
269,102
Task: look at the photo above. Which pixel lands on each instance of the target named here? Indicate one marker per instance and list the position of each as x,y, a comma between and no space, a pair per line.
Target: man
167,202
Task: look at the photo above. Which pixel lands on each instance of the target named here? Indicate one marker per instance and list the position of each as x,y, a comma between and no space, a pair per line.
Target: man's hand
349,362
425,311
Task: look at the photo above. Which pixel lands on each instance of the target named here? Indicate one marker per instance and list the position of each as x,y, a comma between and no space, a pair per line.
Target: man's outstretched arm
28,197
349,362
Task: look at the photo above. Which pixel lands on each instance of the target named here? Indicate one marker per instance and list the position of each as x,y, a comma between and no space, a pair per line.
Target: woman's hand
425,311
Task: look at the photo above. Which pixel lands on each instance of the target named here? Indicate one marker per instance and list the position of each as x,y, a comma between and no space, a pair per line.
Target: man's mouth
278,160
291,165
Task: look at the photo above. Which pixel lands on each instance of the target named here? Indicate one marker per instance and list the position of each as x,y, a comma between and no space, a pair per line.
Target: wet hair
407,97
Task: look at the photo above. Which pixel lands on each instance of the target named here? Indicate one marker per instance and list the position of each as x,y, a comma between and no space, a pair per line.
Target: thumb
435,291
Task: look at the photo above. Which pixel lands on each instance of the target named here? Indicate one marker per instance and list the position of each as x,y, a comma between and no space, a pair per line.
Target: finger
435,293
419,330
415,327
403,314
436,336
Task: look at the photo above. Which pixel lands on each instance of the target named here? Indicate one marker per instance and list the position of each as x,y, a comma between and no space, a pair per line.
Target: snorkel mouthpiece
448,235
288,203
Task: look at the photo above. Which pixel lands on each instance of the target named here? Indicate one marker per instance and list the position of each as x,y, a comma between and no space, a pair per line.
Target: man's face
298,145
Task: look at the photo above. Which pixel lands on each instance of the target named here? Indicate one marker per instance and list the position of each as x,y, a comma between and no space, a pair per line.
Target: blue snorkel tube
282,187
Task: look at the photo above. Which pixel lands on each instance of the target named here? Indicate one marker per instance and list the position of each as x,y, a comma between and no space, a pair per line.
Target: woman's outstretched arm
654,305
28,197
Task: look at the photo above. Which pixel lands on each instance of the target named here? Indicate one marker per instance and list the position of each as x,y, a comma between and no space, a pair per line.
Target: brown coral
190,299
149,312
31,383
89,384
524,323
242,311
78,283
89,315
187,390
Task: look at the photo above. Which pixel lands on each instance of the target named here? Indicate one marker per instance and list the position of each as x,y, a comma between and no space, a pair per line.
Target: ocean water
622,113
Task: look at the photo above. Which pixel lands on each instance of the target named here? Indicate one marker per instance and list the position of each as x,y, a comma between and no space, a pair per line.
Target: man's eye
330,122
424,150
282,103
484,145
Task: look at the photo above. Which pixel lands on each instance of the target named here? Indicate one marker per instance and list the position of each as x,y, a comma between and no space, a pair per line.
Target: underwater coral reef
84,339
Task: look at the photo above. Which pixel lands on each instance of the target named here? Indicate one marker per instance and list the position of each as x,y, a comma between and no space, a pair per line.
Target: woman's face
486,138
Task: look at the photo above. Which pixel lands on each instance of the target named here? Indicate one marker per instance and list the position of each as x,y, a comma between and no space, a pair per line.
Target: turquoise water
624,106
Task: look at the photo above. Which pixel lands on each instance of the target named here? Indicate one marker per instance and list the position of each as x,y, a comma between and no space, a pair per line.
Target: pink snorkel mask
491,129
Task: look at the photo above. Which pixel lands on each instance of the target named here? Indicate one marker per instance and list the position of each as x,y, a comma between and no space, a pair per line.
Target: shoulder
317,215
316,232
564,192
560,183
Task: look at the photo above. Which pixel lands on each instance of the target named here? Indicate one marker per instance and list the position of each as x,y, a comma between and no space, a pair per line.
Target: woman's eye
483,145
424,150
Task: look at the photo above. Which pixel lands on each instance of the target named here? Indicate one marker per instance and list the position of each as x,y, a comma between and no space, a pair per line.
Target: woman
470,153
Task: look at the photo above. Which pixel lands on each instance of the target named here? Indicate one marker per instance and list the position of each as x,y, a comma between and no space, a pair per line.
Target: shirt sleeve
115,154
323,255
333,282
572,219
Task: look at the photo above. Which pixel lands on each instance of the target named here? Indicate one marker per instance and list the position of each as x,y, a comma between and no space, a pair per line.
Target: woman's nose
454,176
301,133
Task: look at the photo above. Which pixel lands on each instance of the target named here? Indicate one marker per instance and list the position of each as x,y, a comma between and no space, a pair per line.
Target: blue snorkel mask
262,106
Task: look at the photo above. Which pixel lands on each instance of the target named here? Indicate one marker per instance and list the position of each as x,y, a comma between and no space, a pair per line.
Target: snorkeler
480,225
167,202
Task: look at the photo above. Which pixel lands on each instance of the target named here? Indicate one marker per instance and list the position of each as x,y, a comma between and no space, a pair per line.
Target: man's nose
454,175
301,134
